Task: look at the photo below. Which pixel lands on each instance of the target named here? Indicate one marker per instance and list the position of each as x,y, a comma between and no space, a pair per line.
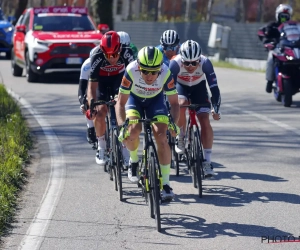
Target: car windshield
63,22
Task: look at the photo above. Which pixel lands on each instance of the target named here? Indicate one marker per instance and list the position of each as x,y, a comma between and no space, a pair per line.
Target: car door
19,38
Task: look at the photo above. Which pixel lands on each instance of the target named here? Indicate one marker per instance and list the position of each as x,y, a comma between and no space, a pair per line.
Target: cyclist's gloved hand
174,129
89,116
122,136
82,109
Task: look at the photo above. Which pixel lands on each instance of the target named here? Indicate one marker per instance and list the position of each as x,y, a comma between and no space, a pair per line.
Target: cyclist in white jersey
83,81
141,92
191,70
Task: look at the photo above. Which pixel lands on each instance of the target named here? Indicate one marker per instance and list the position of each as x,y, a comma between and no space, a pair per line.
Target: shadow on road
226,196
188,226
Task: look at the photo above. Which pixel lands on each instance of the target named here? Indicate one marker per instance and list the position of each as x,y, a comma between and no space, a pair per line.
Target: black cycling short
197,94
108,88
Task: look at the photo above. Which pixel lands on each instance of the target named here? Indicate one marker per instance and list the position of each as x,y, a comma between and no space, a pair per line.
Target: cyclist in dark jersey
108,64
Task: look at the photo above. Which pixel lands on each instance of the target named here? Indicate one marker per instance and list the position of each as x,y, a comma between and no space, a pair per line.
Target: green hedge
15,142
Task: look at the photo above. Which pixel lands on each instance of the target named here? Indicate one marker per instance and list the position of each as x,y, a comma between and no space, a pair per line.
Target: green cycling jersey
134,50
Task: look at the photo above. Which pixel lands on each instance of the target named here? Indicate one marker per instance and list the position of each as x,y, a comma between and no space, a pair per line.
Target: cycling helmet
110,42
124,37
150,58
190,51
169,38
103,27
283,13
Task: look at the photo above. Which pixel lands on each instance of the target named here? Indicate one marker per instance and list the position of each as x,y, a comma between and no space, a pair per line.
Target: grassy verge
15,142
224,64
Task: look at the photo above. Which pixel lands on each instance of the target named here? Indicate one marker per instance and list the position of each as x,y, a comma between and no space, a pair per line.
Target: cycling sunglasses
194,63
170,48
115,55
147,72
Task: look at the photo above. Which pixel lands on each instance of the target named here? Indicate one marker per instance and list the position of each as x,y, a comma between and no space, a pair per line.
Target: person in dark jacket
283,14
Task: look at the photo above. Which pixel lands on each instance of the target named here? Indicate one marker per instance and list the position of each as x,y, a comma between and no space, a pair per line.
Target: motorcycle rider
283,14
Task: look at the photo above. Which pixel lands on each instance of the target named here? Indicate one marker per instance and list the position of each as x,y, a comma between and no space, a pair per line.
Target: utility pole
187,10
209,10
260,10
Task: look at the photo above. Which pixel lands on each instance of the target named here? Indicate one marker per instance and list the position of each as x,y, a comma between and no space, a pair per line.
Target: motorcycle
286,56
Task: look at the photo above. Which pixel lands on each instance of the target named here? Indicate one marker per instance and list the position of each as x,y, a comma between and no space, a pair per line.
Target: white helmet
190,51
283,13
124,37
169,38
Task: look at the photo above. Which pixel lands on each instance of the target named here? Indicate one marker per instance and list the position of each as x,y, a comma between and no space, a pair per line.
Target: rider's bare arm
123,96
120,107
175,110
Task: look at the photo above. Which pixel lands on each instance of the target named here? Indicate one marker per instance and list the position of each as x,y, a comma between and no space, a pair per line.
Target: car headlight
8,29
43,43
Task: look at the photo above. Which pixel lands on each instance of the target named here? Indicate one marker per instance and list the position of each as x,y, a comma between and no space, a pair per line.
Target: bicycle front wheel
118,166
198,167
106,139
155,190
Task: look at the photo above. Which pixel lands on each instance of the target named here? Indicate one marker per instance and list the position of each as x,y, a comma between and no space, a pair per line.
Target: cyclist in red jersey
108,64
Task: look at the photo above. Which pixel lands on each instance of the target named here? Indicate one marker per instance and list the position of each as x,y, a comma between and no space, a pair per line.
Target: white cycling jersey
85,69
185,78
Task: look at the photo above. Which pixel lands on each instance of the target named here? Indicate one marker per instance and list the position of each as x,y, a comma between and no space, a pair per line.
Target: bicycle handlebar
195,106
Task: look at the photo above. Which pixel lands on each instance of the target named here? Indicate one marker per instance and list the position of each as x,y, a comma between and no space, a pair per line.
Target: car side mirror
21,28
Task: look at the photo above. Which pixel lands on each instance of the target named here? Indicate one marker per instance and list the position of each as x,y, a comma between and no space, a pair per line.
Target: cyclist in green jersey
141,93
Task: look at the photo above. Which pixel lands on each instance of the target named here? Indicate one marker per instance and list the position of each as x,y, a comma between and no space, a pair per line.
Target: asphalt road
70,203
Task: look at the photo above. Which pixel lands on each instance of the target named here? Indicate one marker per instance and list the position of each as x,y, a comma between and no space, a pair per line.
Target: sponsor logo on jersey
94,65
147,88
125,82
189,78
171,84
113,68
87,67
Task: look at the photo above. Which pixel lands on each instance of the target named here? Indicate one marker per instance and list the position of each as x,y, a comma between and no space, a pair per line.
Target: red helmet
110,43
103,27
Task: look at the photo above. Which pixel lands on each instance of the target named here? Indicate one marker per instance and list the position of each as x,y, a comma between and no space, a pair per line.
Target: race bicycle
194,150
149,171
114,154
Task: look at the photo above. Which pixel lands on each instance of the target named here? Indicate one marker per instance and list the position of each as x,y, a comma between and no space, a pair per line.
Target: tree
103,12
22,4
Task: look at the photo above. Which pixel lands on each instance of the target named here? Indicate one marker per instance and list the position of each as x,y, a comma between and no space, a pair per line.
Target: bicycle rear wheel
174,155
155,190
198,167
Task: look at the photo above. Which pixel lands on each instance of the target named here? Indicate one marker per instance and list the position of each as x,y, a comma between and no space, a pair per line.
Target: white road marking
39,225
265,118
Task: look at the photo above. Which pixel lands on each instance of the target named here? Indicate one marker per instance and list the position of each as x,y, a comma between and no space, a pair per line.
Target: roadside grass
224,64
15,141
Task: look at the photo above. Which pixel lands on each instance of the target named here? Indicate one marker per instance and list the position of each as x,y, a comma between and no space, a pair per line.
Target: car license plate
73,60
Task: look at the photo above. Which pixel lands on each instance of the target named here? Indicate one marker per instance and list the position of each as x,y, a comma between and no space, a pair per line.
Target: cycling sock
165,172
89,123
134,156
101,141
207,154
181,134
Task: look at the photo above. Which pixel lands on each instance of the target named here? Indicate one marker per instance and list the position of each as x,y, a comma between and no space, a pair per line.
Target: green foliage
14,144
